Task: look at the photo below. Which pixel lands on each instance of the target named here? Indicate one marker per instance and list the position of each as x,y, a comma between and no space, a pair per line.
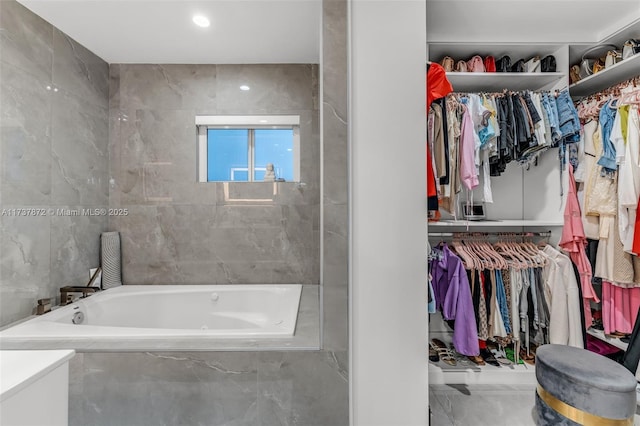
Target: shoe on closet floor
443,351
501,357
511,355
476,359
488,357
528,358
433,354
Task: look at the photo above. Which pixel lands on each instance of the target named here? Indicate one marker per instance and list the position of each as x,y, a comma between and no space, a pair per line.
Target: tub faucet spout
67,292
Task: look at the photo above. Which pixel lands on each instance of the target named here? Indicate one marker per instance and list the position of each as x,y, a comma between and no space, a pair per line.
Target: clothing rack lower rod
496,234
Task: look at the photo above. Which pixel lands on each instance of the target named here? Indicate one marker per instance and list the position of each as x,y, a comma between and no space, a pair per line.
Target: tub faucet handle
214,297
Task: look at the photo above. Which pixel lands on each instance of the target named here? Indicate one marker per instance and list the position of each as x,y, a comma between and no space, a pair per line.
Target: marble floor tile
490,405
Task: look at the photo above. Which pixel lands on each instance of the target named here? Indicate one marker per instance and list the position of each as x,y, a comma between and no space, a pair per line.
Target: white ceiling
288,31
162,31
522,21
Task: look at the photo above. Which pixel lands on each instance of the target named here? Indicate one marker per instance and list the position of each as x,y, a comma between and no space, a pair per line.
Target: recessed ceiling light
244,87
263,121
201,21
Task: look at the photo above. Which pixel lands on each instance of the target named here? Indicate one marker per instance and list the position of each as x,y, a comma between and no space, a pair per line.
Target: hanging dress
574,242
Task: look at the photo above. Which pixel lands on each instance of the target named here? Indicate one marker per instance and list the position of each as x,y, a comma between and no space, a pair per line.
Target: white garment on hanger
617,139
629,181
539,129
565,318
591,224
487,194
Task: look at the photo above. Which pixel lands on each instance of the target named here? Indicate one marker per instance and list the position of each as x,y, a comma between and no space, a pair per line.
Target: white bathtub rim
116,339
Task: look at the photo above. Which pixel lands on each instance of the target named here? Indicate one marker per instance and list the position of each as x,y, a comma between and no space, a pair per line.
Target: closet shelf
617,73
610,340
497,81
481,375
526,223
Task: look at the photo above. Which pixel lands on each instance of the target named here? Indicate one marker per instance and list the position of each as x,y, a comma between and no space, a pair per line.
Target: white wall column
388,320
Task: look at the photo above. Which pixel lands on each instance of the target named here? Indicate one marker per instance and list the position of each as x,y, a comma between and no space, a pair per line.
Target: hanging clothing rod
635,81
456,93
545,234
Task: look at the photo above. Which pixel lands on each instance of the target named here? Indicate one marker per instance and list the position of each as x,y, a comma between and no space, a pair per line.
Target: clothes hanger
506,250
630,98
468,246
482,264
496,259
535,253
524,256
502,261
499,260
510,246
491,254
474,246
518,250
468,260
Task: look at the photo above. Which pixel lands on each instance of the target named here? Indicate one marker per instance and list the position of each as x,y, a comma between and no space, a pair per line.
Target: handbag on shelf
630,48
475,64
503,64
447,63
590,63
548,64
586,67
532,65
598,66
519,66
461,66
613,57
574,74
490,64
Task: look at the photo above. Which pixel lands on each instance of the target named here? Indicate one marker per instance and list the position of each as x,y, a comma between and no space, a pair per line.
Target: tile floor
479,405
485,405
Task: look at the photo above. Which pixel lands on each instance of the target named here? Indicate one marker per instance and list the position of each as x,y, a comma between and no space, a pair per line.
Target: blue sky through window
274,146
228,155
228,158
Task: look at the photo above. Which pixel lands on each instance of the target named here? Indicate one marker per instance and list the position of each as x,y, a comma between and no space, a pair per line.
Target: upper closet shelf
617,73
526,223
495,81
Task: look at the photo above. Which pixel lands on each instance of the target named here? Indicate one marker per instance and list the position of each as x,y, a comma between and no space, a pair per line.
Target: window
239,148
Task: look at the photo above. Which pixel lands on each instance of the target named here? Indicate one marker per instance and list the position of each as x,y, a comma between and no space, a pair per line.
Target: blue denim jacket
568,118
608,159
550,107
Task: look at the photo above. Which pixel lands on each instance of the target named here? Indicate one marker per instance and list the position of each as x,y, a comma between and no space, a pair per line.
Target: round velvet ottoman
578,387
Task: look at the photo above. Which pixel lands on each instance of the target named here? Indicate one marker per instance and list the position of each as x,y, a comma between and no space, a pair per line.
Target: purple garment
453,298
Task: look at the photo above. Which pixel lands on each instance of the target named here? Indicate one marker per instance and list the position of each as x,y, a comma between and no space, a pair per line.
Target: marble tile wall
208,388
177,230
335,176
53,159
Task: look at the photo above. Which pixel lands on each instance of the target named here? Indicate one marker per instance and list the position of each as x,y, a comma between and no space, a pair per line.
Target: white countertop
18,369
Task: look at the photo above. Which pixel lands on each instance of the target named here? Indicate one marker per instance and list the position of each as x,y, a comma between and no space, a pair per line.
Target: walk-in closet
533,183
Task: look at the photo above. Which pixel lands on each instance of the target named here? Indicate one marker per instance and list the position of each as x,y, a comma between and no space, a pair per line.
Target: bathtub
164,317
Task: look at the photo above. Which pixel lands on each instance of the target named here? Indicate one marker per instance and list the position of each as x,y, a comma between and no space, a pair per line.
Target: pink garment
468,173
600,347
619,307
574,241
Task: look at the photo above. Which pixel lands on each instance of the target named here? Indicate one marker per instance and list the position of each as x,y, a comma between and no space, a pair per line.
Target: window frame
249,122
